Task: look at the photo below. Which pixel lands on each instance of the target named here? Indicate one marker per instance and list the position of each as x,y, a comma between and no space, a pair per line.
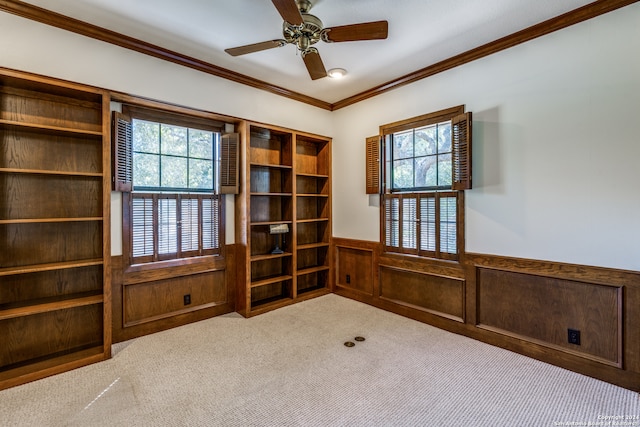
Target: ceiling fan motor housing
304,35
307,30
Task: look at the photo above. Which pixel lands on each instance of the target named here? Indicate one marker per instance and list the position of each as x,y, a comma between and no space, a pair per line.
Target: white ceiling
421,33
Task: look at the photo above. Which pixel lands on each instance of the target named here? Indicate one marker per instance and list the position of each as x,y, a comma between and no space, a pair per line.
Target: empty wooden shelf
55,307
287,187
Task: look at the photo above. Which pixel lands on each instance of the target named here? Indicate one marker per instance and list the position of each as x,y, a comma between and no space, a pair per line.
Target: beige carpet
290,368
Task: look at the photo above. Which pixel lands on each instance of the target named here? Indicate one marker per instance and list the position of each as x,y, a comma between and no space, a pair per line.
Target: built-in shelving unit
54,228
313,213
287,186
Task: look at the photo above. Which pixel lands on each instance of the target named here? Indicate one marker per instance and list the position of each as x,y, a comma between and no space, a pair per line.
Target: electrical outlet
187,299
574,336
348,278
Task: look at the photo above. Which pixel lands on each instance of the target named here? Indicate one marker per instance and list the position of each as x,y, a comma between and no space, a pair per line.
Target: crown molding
591,10
54,19
575,16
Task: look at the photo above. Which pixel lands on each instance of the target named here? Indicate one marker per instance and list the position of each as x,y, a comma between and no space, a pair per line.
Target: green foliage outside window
176,158
422,158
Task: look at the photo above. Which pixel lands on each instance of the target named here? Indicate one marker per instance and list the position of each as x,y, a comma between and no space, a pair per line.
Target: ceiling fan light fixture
337,73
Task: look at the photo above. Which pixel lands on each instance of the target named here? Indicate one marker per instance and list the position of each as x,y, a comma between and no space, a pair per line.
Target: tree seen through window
422,157
169,157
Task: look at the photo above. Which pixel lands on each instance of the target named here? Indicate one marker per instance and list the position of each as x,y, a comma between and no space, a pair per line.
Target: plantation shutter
229,164
189,227
167,221
401,223
448,225
142,235
121,152
428,235
392,221
409,223
211,225
461,151
373,165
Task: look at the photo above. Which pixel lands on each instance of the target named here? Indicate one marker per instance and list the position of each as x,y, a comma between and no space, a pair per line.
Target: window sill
418,264
160,270
410,258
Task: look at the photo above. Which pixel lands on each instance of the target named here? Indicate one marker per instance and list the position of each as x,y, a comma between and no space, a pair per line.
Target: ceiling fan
304,30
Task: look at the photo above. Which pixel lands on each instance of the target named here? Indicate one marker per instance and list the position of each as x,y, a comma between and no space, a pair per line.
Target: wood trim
121,152
123,330
185,267
461,151
372,164
106,226
617,363
423,120
49,367
67,84
184,118
228,170
623,370
535,309
425,274
168,107
170,314
576,16
54,19
596,275
375,248
117,265
428,266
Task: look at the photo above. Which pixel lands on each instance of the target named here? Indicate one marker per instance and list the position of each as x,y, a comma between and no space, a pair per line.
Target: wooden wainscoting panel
355,269
439,295
522,305
147,302
542,309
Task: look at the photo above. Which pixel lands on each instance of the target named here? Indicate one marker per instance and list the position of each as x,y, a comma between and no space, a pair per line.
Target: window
172,158
424,224
171,209
421,158
426,164
169,226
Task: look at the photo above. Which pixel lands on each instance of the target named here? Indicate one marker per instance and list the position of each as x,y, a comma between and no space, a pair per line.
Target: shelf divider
270,280
313,220
264,257
313,245
51,172
49,127
50,220
309,270
24,269
44,305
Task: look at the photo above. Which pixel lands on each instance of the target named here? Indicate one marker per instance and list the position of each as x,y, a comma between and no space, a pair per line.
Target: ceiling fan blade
314,65
355,32
255,47
289,11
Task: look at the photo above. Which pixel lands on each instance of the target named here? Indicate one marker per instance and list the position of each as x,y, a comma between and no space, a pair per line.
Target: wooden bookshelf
54,228
287,182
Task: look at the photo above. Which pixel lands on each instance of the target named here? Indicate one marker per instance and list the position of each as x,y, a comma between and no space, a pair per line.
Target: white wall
29,46
555,131
556,151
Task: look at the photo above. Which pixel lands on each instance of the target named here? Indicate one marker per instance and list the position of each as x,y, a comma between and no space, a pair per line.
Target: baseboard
526,306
